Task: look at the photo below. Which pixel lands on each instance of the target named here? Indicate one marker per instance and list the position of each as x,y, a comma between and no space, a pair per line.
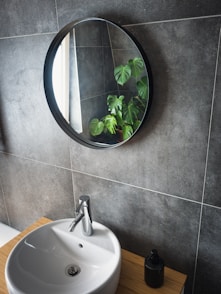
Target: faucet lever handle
79,207
84,198
83,212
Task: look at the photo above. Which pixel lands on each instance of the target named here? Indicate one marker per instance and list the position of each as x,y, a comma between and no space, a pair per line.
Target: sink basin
53,260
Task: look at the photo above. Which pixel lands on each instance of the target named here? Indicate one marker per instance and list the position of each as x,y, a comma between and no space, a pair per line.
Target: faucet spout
75,221
83,213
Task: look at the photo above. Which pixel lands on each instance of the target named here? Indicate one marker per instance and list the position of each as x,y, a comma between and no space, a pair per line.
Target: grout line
56,11
172,20
99,177
206,164
211,115
106,179
35,160
29,35
210,205
72,176
197,248
126,25
5,206
138,187
102,178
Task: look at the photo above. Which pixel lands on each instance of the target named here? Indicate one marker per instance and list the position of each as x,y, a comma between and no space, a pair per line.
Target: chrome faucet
83,214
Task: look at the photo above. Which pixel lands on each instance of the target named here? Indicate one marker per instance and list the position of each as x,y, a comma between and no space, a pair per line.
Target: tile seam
56,11
138,187
212,206
5,205
172,20
35,160
28,35
211,116
72,175
98,177
123,25
206,163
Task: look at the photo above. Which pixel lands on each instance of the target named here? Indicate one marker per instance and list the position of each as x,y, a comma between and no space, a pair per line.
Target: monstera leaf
122,74
115,103
142,88
96,127
127,132
131,113
137,66
136,124
110,123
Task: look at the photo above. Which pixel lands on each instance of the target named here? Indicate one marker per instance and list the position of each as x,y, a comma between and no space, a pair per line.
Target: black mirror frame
48,85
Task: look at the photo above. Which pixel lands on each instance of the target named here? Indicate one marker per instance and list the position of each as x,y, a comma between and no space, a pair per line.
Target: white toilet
7,233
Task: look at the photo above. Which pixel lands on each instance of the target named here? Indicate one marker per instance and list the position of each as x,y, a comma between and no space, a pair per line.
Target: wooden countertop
132,270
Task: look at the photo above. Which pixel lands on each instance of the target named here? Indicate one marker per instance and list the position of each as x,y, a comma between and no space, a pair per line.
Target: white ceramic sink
53,260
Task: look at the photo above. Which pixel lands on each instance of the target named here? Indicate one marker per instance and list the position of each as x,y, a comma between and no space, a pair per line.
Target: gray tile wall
162,189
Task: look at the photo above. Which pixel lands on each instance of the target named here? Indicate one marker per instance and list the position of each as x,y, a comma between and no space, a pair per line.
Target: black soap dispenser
154,270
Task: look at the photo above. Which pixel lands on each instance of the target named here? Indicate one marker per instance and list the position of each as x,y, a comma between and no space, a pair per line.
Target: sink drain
72,270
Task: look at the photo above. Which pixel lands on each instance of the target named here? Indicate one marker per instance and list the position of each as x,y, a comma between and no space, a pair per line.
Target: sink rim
116,254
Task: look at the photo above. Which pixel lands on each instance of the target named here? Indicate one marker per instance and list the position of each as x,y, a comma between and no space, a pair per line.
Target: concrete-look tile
143,220
213,178
90,61
169,152
33,190
209,258
133,11
24,17
29,127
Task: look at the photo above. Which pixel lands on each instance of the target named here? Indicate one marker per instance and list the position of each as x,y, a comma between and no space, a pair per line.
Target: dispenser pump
154,270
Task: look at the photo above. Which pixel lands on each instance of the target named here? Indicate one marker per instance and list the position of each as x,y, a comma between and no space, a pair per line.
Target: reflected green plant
124,117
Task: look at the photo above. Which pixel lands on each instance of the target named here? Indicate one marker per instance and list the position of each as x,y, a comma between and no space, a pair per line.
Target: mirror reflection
100,83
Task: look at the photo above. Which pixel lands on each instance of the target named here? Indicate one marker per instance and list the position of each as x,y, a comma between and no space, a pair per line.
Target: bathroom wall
160,190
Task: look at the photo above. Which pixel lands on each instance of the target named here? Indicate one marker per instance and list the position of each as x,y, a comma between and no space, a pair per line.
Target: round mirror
97,82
